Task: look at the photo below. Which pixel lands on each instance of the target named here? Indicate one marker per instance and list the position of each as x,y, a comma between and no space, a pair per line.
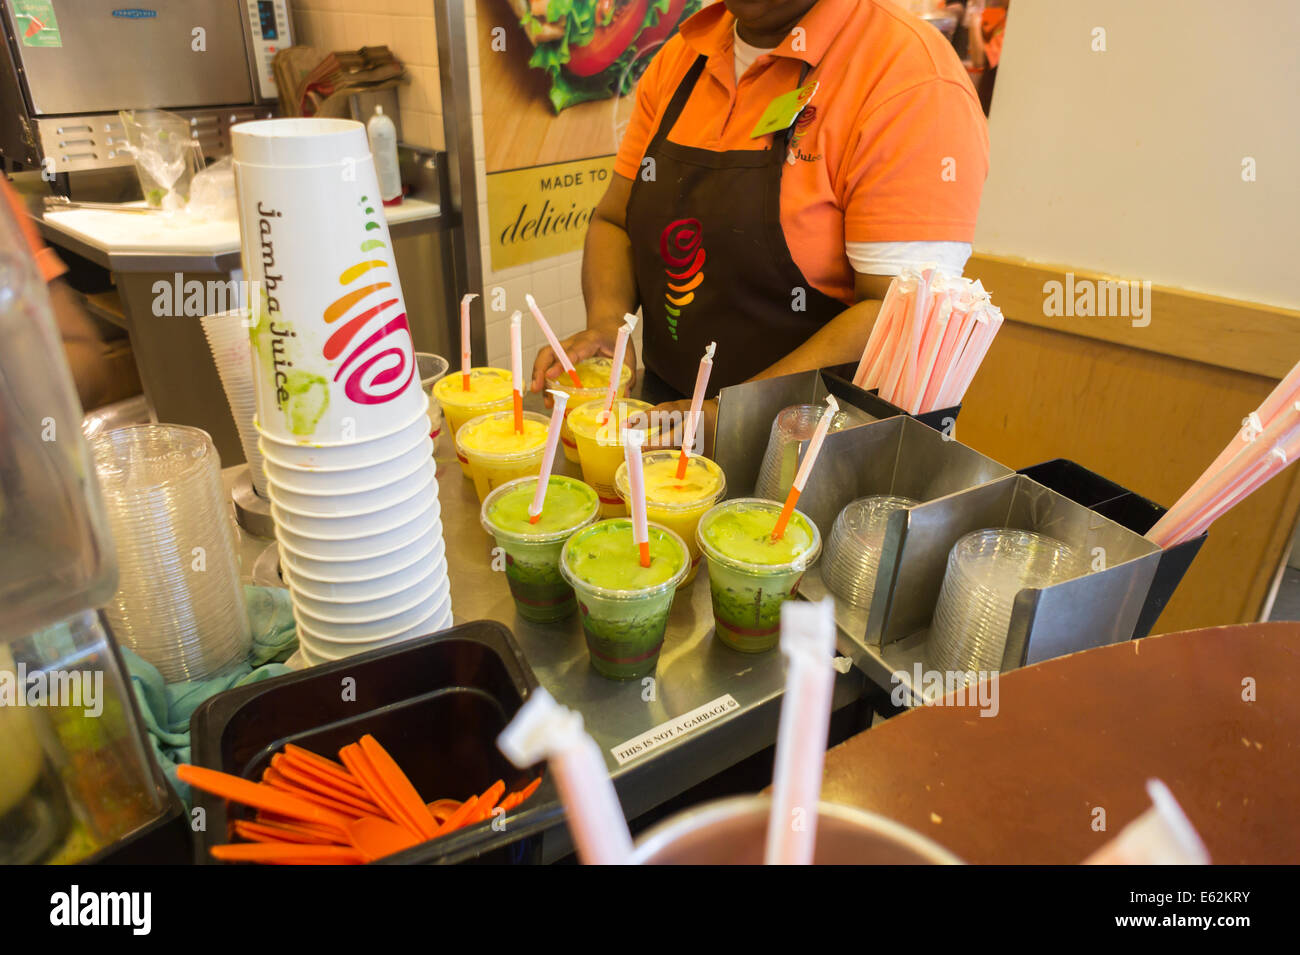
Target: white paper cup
361,502
347,456
332,346
357,548
326,575
367,478
324,651
324,633
375,588
349,526
321,615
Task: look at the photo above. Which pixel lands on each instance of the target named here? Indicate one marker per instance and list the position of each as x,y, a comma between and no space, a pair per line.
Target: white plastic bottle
383,146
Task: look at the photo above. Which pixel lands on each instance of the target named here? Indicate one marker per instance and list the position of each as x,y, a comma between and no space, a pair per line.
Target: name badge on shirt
784,110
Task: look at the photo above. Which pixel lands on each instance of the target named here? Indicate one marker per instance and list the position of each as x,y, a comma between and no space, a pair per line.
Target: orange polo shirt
895,149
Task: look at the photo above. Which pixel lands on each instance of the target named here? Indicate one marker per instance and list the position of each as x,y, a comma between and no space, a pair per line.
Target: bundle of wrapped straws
1268,441
930,336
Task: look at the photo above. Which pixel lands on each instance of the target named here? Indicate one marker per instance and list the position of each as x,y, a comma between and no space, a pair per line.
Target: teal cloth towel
166,707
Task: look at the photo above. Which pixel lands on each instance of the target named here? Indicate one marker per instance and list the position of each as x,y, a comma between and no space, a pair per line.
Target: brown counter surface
1085,731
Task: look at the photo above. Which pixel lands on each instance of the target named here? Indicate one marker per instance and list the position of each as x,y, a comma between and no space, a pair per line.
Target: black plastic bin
436,704
839,382
1129,510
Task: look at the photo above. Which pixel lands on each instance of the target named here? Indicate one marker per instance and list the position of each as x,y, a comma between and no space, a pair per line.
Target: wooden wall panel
1148,420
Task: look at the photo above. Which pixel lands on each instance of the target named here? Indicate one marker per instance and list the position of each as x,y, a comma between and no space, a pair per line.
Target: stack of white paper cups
341,416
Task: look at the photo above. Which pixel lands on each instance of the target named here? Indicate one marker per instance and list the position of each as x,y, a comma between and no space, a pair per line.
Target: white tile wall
407,27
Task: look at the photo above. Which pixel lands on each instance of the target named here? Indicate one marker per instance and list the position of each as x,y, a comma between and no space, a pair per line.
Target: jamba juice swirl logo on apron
681,247
380,365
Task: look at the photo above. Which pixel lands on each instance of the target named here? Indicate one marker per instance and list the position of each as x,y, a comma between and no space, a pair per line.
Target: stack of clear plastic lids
179,602
853,551
790,430
986,569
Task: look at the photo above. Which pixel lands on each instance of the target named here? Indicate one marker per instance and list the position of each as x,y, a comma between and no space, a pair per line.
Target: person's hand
672,418
585,344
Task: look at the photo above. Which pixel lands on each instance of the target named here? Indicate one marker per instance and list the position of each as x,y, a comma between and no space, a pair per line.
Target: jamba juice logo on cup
379,365
681,247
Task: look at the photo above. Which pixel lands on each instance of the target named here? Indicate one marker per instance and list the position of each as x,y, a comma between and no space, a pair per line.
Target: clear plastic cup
600,444
792,429
490,389
532,551
986,569
496,454
431,368
594,374
751,576
624,607
677,505
179,602
853,550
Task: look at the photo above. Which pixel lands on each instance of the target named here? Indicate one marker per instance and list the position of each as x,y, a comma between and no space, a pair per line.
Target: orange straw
517,369
805,466
697,403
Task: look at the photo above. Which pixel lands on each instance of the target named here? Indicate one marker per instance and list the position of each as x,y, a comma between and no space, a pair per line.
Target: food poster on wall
557,82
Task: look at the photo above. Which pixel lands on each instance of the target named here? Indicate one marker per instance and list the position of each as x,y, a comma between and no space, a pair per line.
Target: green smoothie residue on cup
607,557
744,533
567,504
309,399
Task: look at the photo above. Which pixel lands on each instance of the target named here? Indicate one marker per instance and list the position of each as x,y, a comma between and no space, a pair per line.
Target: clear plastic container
56,554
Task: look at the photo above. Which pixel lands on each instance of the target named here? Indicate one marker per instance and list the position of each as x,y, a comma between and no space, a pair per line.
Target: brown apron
711,260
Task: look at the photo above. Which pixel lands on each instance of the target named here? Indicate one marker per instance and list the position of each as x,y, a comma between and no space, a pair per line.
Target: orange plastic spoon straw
359,764
318,782
258,796
458,817
268,832
272,851
399,785
323,763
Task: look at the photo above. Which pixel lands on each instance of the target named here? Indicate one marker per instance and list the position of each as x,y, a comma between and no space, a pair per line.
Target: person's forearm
840,340
608,277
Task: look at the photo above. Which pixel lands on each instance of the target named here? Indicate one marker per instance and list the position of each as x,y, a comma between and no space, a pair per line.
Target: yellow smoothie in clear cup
677,504
600,444
594,375
490,389
497,453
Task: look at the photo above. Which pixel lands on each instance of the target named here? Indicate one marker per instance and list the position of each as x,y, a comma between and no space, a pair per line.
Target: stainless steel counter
694,668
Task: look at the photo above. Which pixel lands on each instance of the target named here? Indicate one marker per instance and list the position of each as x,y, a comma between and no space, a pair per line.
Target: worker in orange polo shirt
785,159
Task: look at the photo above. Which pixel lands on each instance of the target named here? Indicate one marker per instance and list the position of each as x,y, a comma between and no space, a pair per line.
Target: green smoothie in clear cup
532,550
624,606
751,575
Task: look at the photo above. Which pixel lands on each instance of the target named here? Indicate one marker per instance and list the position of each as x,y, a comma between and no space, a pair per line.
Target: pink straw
697,403
561,399
805,466
553,341
464,338
517,369
878,333
808,642
636,493
616,369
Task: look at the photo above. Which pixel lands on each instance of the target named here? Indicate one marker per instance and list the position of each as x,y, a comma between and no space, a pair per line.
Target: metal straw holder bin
746,412
1129,510
1098,608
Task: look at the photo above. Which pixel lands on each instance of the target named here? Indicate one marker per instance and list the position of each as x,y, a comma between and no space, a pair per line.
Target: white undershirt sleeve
890,258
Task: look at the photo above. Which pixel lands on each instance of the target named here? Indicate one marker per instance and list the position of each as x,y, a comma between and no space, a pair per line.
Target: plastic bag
212,194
